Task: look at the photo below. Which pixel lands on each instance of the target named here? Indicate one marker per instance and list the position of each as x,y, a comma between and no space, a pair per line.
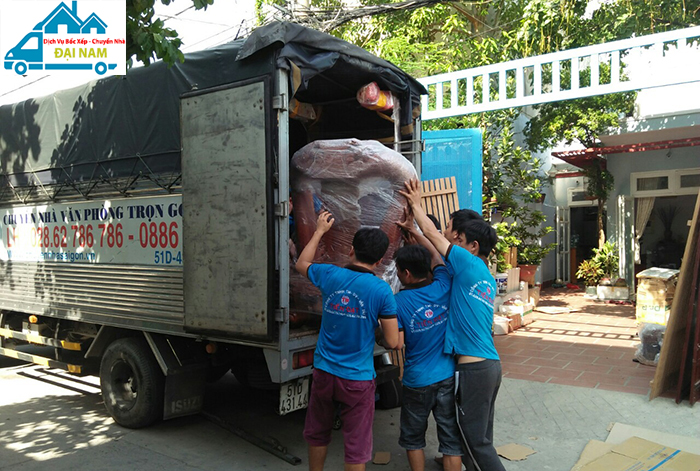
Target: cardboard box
516,321
655,290
642,455
520,309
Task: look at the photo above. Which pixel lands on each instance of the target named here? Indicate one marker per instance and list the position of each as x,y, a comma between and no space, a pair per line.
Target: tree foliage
458,35
147,37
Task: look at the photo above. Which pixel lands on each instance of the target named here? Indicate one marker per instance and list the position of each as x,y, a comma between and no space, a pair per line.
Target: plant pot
527,273
592,291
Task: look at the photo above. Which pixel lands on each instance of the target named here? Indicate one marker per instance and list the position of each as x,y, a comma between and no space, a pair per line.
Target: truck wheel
100,68
132,383
21,68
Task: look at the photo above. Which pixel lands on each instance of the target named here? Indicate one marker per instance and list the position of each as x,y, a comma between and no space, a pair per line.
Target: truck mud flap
185,378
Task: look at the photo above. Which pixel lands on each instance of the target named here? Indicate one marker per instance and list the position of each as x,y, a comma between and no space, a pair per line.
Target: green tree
453,35
147,37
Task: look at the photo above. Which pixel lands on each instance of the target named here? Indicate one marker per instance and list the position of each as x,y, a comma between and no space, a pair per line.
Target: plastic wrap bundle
651,337
371,97
358,182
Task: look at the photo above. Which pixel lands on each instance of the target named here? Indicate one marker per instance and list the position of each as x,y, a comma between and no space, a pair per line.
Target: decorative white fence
655,60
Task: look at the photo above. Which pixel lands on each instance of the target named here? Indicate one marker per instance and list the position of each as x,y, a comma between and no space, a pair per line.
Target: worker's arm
412,194
323,225
416,237
390,331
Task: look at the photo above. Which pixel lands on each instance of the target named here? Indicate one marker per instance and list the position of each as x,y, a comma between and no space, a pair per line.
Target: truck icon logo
28,54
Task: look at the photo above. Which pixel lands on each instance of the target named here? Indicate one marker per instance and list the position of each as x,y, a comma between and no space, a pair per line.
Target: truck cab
26,54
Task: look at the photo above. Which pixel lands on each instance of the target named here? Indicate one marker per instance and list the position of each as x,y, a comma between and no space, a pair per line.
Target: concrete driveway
48,420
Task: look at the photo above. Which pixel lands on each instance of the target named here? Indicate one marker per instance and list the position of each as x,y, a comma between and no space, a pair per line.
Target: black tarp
124,125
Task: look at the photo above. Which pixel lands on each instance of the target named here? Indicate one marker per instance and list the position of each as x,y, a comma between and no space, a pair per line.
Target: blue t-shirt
471,306
423,314
353,301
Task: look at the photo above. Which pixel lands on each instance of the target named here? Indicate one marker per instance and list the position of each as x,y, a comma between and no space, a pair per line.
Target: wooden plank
695,367
689,331
668,368
439,198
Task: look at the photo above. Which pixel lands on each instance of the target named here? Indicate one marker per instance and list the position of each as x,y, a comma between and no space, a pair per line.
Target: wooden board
668,368
439,198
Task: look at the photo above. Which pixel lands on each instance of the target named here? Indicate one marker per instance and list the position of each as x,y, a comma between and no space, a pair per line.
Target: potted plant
590,272
608,259
501,255
527,228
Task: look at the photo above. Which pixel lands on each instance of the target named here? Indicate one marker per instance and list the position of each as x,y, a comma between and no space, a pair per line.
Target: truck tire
132,383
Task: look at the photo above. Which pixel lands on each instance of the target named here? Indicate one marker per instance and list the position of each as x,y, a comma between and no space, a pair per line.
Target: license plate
294,395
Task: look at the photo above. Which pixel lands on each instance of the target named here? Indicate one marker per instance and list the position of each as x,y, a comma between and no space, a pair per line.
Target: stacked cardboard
655,290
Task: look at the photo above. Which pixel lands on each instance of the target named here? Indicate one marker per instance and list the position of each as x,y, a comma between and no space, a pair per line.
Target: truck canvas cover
145,201
128,126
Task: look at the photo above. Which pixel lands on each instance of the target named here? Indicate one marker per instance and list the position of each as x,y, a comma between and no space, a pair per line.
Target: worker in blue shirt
355,303
428,377
466,244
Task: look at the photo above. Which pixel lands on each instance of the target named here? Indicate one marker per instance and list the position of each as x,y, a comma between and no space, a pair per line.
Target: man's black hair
435,221
480,231
415,259
370,245
462,217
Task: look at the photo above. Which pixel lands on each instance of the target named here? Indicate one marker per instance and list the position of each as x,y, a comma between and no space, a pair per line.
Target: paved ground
50,422
593,346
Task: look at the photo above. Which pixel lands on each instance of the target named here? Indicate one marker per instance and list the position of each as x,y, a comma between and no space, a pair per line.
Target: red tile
577,358
568,349
581,366
541,354
638,382
573,382
546,362
519,369
603,378
557,372
513,359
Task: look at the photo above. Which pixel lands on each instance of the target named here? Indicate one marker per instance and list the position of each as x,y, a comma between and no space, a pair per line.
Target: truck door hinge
282,209
282,315
279,102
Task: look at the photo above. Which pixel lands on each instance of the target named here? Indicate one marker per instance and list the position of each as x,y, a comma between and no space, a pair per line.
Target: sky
198,30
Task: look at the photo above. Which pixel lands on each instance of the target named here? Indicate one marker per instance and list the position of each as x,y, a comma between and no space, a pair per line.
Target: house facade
655,161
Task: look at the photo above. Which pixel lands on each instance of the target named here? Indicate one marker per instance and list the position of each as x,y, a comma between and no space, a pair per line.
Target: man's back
423,312
353,300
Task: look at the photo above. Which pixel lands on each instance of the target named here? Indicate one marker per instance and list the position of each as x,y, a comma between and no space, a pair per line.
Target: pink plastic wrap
358,182
371,97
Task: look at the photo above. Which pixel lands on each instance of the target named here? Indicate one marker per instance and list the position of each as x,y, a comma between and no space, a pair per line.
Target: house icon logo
68,38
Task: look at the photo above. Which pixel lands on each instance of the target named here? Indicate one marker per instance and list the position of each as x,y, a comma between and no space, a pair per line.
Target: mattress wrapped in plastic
359,183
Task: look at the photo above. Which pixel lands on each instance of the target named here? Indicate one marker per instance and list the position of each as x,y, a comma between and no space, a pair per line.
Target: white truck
144,218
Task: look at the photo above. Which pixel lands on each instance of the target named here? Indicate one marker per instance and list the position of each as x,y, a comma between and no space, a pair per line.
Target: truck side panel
226,211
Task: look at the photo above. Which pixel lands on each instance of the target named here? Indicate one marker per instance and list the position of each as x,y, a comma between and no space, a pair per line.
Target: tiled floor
592,347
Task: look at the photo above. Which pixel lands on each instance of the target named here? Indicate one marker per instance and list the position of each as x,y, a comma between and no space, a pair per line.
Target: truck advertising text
140,231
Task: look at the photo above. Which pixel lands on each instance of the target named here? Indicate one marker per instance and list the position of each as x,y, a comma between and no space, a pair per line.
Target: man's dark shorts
357,413
438,398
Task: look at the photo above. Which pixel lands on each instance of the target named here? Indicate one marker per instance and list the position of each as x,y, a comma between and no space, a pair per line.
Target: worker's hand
408,227
412,192
324,222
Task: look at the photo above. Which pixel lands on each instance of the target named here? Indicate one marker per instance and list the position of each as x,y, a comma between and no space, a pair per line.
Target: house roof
50,16
99,20
585,157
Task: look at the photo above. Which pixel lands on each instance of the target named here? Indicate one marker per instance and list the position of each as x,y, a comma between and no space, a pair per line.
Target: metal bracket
282,315
282,209
279,102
